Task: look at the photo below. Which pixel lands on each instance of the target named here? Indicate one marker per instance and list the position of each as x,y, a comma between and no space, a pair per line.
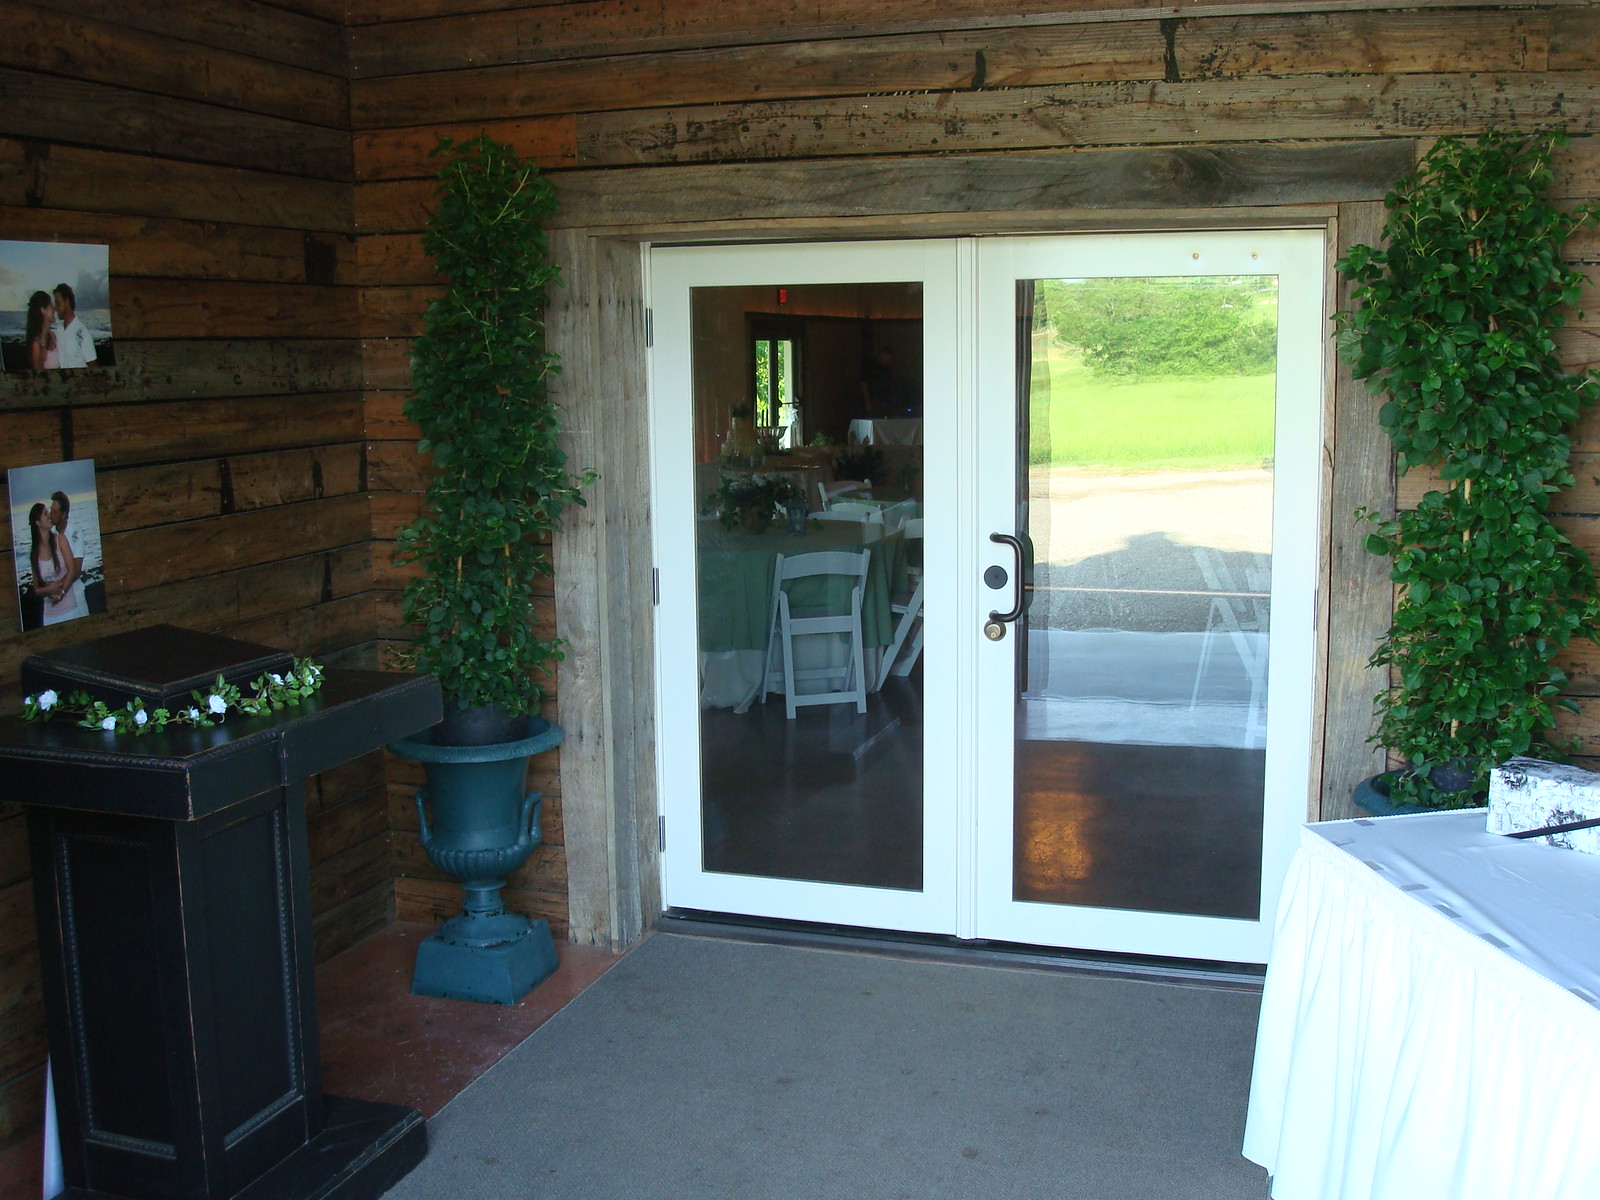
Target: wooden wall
840,118
255,462
208,143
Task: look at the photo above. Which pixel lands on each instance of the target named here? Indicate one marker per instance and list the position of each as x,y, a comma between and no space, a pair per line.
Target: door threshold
1217,976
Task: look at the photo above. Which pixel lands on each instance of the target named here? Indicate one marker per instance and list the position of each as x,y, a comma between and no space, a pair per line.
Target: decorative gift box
1546,802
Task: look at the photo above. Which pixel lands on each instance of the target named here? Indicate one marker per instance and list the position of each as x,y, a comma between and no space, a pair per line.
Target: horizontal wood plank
924,62
403,36
272,33
52,108
194,249
342,926
396,312
320,630
187,308
144,558
348,781
1362,43
550,141
201,428
44,39
354,822
28,439
1089,115
433,902
386,363
1575,39
40,174
193,369
1129,180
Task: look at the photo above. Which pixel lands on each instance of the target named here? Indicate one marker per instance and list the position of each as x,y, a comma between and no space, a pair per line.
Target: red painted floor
379,1042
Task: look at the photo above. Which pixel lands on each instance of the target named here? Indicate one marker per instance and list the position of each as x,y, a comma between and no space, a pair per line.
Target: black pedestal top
182,773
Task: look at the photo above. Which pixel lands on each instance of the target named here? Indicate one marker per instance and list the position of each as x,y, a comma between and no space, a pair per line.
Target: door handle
1007,539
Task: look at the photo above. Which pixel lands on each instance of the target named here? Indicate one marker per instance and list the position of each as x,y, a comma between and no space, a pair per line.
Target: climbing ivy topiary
480,374
1455,324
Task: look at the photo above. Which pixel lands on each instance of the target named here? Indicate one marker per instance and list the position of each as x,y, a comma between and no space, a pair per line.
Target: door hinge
661,832
655,586
649,328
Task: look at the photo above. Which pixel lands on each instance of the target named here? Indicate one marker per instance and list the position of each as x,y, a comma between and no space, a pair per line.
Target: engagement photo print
55,306
55,537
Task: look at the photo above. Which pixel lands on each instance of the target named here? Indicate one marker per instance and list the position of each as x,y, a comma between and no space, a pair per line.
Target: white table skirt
1429,1028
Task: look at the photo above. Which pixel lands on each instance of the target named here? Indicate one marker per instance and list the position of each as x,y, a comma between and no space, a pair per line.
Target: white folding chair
908,610
827,622
828,492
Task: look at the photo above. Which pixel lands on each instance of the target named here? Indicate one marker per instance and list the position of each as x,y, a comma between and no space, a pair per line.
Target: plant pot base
1371,795
500,974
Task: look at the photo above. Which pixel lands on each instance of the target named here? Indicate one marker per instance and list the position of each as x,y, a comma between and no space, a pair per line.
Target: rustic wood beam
1169,178
1315,107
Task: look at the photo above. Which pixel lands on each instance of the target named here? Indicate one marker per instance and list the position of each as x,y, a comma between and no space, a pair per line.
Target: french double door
1087,599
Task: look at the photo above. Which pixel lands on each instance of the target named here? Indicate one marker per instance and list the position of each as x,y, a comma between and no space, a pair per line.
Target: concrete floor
379,1042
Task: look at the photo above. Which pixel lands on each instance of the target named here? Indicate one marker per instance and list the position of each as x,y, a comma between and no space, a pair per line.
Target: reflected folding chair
908,613
830,626
862,516
1240,617
829,492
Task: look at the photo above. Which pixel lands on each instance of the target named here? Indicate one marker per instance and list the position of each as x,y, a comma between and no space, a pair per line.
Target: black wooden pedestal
170,878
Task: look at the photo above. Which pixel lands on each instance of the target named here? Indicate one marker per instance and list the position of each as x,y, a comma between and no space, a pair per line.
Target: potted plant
749,502
480,380
1455,324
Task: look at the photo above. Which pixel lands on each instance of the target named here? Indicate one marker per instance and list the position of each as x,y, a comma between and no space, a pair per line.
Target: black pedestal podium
170,877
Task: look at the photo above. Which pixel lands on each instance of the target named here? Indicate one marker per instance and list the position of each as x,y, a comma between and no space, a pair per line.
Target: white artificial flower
140,716
46,700
216,703
276,679
109,723
193,714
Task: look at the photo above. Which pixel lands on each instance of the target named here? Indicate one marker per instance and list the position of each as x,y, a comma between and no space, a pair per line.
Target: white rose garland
270,693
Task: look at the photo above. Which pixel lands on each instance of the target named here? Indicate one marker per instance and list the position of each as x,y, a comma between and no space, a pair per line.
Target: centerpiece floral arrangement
751,500
211,706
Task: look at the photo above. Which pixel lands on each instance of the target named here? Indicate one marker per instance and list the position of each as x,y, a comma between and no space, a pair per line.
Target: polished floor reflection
1156,828
834,797
831,796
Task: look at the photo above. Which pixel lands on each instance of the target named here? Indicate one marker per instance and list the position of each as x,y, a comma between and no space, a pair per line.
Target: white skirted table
1430,1028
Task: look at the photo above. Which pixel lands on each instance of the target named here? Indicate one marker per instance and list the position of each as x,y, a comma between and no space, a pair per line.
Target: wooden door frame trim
604,583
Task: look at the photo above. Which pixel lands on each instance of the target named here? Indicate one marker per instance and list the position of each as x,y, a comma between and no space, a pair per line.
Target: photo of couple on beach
47,323
55,537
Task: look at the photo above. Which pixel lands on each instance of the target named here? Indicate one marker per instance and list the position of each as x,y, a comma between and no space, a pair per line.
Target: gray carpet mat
698,1067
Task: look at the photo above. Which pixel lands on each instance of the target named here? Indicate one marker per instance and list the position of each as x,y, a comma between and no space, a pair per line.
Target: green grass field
1168,422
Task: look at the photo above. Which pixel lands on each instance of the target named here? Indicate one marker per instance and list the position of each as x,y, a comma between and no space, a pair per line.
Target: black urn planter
1371,795
478,824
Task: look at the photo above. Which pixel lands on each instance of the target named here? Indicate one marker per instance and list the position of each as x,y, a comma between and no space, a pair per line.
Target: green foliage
1455,324
1220,422
1135,326
859,462
740,493
480,373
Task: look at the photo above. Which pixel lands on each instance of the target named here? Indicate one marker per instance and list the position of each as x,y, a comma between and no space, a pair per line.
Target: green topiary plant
480,373
1455,324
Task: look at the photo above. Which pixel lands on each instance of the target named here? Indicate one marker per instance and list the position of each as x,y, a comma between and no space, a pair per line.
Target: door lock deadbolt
994,630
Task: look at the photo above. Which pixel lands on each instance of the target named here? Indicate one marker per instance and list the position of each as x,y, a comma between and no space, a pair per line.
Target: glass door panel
1156,774
794,721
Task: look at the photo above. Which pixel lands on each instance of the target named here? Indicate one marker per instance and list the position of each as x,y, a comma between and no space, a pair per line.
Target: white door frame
1297,258
673,274
960,444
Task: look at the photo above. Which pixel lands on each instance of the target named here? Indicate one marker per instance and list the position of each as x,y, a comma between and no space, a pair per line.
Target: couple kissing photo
55,535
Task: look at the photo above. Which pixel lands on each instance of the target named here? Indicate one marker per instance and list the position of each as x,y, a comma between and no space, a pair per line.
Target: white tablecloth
1430,1028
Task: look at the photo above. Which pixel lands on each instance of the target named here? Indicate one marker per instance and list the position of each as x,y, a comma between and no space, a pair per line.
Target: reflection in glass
782,380
1141,724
